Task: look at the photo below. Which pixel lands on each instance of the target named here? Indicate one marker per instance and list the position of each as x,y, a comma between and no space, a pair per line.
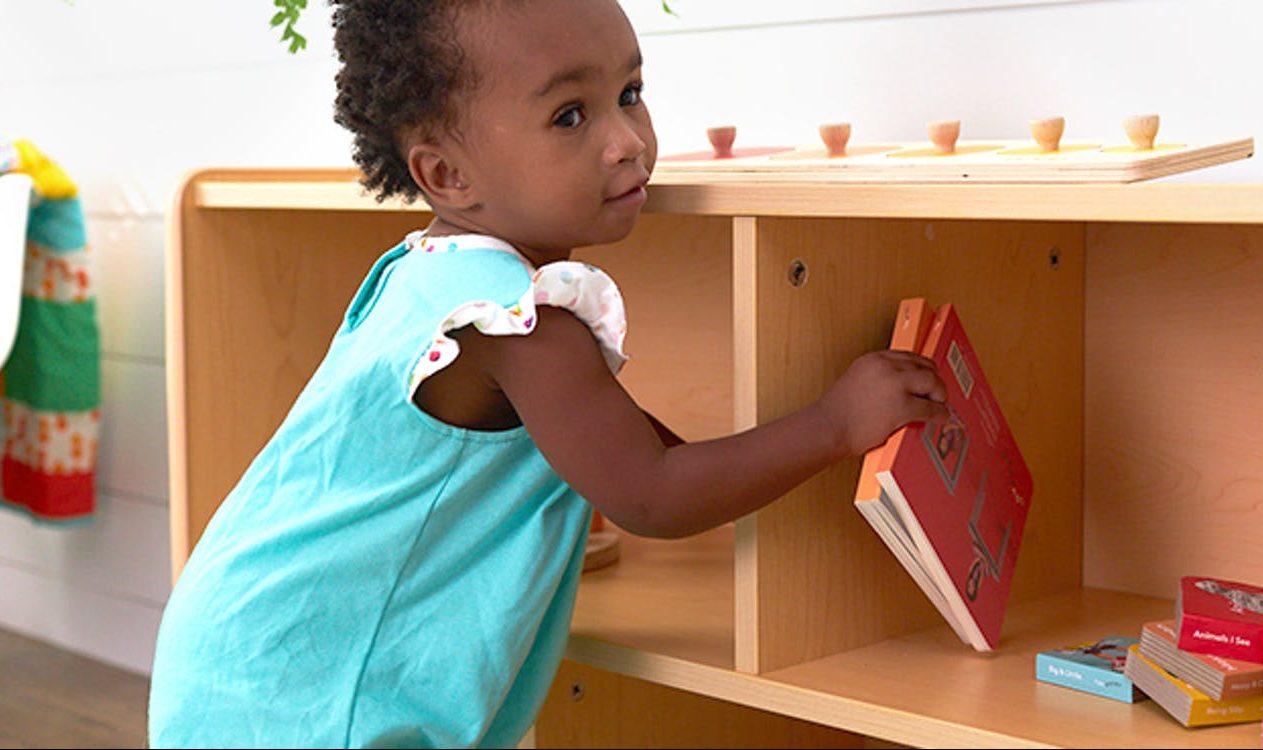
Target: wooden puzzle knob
721,139
1047,132
943,135
835,136
1141,130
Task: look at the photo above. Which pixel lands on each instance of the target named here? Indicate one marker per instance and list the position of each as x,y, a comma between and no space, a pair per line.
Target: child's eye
631,95
570,117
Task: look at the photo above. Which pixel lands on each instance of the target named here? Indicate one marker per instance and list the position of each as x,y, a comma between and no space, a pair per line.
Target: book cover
1216,616
1213,675
962,488
1094,667
912,323
1190,706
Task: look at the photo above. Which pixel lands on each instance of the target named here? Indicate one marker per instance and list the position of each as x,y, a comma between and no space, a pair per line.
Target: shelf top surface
798,195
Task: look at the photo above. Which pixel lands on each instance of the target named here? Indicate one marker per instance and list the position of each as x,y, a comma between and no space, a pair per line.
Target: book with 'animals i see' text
1221,617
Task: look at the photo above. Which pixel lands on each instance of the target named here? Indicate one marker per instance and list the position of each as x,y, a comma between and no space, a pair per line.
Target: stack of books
1205,667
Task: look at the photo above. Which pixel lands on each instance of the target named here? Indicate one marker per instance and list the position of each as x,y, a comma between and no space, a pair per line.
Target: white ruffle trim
584,290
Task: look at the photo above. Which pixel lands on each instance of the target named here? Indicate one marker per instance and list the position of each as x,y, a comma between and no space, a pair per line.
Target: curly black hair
402,67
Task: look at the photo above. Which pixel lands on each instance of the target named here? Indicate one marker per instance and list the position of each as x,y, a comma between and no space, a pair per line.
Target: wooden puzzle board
973,161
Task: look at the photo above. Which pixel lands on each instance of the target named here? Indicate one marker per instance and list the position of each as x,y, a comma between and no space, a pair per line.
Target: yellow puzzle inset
964,149
1066,150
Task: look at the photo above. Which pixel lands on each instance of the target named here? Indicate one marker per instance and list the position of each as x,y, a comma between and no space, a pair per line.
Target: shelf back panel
675,275
1174,402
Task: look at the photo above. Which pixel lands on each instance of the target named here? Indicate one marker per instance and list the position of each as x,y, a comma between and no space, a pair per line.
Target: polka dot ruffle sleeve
583,289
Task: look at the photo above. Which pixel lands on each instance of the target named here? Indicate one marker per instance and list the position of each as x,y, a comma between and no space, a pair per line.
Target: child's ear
440,180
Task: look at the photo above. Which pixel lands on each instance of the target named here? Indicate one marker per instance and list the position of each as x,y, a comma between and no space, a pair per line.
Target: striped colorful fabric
50,388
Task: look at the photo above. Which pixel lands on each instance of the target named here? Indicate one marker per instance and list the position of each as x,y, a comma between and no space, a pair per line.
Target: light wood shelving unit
1119,325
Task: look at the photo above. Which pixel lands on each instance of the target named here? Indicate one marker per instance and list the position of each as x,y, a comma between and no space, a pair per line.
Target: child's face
555,143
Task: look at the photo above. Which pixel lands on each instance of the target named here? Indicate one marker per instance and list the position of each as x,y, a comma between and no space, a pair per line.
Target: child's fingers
930,411
927,384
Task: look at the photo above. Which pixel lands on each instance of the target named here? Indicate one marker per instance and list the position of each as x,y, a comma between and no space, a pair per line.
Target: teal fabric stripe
57,224
56,359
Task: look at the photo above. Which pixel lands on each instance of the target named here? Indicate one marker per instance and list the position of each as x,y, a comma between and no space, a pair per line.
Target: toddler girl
398,565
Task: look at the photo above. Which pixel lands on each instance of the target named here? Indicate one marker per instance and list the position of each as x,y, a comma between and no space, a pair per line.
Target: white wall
128,95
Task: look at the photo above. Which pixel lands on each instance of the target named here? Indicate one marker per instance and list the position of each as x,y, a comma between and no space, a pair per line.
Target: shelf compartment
825,581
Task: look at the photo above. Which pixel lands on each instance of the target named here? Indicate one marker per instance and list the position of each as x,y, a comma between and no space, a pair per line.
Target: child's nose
624,141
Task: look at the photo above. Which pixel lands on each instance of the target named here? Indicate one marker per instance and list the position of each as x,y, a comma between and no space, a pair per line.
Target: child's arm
603,445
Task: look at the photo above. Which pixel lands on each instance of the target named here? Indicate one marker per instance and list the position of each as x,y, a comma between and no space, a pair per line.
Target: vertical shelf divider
745,415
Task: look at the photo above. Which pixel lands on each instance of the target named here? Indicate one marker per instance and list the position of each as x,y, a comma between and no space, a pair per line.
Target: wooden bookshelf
1119,327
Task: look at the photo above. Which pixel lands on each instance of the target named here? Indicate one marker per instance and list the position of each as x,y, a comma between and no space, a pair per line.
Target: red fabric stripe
60,496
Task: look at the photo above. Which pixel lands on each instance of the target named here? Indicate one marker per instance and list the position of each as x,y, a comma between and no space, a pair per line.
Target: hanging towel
50,388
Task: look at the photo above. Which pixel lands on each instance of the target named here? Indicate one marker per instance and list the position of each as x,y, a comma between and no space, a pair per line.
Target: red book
1216,616
962,489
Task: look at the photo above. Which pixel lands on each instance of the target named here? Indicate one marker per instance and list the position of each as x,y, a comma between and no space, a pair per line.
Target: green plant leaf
288,15
290,10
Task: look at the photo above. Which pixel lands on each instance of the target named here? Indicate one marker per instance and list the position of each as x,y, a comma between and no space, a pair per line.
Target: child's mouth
635,196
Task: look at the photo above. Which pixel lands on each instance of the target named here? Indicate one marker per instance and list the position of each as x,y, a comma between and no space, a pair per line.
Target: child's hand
879,393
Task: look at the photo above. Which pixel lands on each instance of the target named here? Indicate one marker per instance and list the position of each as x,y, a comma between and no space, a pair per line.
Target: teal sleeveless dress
378,577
